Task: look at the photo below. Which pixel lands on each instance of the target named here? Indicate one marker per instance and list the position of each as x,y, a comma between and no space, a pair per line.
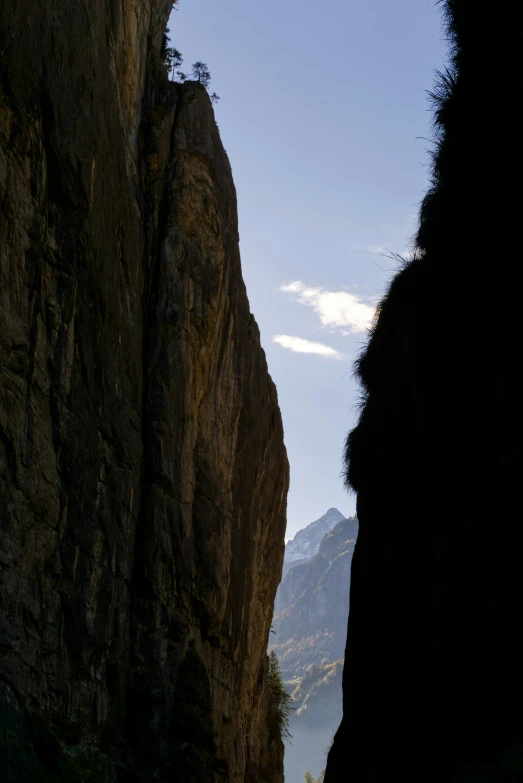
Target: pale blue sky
321,104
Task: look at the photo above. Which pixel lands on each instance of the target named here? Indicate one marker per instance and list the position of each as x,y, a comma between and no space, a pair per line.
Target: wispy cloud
299,345
336,309
379,250
383,250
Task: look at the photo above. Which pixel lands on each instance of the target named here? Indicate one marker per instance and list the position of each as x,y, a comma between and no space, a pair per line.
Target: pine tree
201,73
165,45
279,700
175,59
171,57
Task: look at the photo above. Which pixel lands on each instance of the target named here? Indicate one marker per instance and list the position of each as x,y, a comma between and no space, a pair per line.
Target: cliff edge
143,475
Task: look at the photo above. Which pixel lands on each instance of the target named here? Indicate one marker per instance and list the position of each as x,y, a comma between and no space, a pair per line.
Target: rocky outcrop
433,683
312,603
143,476
309,624
305,544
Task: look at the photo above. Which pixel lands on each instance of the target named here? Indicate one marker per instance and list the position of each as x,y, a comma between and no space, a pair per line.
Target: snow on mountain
306,543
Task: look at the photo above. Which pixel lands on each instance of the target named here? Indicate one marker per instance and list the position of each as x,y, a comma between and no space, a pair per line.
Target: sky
324,115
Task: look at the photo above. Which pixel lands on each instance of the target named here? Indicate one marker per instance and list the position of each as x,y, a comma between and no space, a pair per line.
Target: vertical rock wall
433,686
143,475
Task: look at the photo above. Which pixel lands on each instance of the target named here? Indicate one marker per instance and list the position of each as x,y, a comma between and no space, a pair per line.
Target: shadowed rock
143,476
433,686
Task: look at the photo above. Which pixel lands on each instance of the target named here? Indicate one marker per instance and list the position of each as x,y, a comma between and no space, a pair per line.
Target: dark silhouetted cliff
143,475
433,686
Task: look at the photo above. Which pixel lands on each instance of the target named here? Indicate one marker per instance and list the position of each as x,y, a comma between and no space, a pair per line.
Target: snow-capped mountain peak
306,543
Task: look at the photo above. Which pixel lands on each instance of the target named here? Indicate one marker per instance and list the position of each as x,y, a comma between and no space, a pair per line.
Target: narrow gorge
143,474
143,471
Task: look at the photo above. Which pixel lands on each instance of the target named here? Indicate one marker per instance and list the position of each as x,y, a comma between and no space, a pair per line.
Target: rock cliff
143,475
305,544
310,625
433,683
312,602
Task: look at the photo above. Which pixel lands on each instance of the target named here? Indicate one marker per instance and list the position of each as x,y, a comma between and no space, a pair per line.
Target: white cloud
299,345
337,309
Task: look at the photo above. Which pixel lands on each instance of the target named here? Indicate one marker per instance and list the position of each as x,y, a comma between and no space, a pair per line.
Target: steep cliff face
306,543
310,626
143,476
310,611
433,686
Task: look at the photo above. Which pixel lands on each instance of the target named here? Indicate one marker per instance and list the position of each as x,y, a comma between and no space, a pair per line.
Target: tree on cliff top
201,73
171,57
279,700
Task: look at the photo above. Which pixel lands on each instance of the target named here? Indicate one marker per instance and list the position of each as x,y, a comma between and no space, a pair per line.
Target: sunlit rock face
433,682
143,475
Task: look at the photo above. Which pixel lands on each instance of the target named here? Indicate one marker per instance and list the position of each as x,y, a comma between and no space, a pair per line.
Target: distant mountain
310,624
312,602
305,544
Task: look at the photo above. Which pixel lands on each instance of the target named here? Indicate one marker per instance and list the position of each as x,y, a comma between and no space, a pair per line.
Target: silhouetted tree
201,73
175,60
279,700
165,44
171,57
